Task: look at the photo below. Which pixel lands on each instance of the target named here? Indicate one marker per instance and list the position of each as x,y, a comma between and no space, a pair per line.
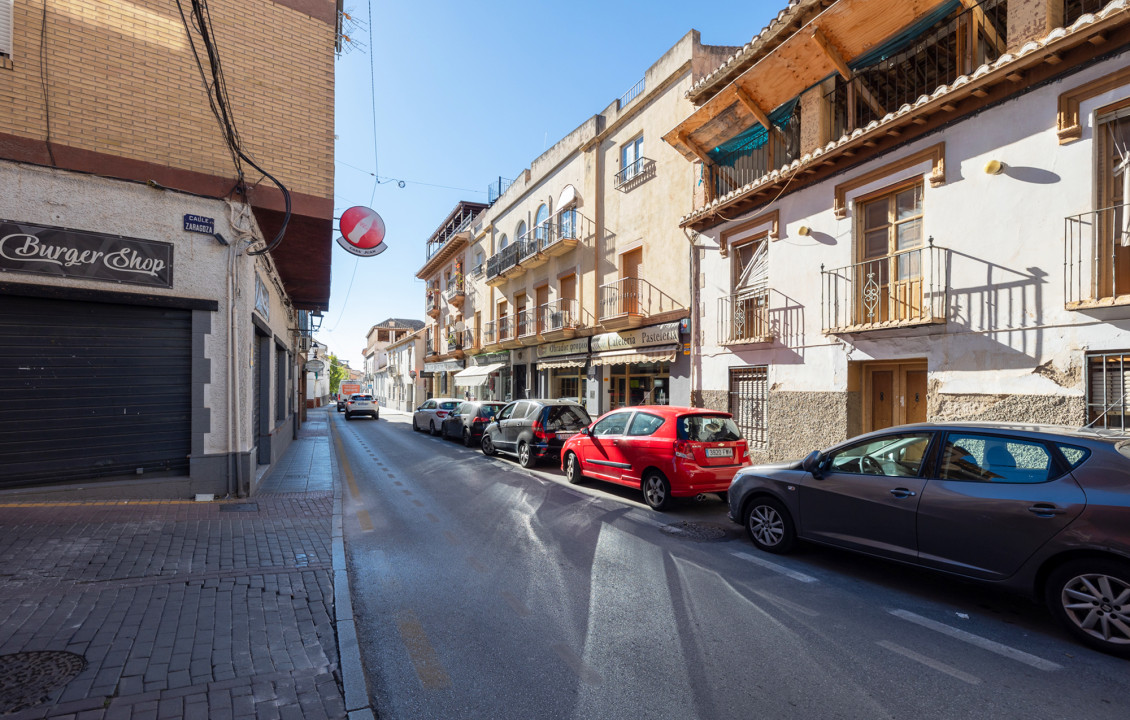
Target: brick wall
122,80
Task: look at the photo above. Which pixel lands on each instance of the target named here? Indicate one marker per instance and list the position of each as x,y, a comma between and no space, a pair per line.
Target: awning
475,376
663,353
564,361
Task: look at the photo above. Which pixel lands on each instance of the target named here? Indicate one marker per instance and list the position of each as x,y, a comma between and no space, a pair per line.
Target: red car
664,451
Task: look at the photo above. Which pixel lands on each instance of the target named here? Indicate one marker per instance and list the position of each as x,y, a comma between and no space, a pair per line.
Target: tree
338,372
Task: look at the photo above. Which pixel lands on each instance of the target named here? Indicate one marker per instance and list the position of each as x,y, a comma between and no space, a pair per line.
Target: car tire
1082,595
573,469
415,427
487,446
526,456
432,428
468,441
656,490
348,416
769,525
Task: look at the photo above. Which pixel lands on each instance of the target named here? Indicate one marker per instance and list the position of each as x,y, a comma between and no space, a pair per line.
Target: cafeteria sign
45,250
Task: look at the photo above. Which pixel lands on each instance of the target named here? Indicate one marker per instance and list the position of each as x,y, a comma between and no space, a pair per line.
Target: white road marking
786,604
978,641
775,567
930,662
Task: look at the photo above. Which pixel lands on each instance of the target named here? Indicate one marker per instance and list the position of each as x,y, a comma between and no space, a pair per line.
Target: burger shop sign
81,255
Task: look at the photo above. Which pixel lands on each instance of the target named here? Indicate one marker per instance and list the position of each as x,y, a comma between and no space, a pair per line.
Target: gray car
362,404
1043,510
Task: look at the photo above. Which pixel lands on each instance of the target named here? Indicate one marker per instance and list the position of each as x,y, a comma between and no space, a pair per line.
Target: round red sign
362,231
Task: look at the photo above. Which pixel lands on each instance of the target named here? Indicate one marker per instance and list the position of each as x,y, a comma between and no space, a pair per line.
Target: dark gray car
533,429
1043,510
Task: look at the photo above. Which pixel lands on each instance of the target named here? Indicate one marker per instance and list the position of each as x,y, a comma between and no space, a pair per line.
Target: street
483,590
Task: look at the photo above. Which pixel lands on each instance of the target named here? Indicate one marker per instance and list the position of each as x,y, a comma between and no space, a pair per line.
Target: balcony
554,237
504,264
634,175
743,318
454,294
904,289
756,153
628,302
470,341
454,344
508,333
431,303
528,327
559,320
489,340
429,347
1097,258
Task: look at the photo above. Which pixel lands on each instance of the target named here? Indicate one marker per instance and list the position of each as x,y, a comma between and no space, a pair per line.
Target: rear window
362,397
708,428
644,424
566,417
449,405
488,411
1075,455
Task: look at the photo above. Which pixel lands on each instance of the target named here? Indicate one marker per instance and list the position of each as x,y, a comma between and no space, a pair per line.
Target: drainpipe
695,315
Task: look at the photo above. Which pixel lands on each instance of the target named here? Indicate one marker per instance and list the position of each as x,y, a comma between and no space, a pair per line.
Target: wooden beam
832,53
694,148
982,22
752,106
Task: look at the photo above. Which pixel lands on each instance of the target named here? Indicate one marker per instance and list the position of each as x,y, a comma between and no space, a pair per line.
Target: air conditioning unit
303,343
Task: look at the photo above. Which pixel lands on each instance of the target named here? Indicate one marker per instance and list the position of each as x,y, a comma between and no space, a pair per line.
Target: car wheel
432,428
1091,597
573,469
488,446
415,427
468,441
348,416
769,526
656,490
526,455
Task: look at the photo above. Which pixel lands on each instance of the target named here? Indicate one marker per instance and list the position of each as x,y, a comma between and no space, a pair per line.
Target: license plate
565,434
719,452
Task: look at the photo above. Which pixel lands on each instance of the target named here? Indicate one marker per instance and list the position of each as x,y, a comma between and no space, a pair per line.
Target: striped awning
564,361
663,353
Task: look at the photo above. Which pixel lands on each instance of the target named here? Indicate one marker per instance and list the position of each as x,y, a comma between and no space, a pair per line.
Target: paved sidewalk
170,609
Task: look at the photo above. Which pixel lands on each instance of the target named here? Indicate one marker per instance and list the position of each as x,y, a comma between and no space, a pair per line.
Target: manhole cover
700,532
28,678
240,507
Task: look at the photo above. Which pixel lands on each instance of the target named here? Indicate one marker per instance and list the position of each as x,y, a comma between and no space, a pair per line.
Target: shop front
562,369
645,366
486,377
442,376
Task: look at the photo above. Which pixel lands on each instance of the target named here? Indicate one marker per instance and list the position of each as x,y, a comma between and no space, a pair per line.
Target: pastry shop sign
44,250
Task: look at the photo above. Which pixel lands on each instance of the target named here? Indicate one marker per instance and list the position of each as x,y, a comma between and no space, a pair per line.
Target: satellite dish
460,327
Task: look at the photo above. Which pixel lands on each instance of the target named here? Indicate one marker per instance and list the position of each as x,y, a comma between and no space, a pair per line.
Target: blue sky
468,92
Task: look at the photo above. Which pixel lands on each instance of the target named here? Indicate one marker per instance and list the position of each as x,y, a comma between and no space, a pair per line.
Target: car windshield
708,428
449,405
566,417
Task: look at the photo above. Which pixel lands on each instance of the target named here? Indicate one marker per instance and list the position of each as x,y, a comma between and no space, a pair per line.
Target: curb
355,686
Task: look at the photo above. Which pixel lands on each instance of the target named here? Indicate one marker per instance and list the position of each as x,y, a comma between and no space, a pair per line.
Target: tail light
745,453
683,450
539,431
441,414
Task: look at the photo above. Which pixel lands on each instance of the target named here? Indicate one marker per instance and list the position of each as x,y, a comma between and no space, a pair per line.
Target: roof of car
1083,433
675,410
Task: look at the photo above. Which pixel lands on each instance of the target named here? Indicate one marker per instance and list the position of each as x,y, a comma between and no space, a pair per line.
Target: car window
566,417
708,428
887,456
645,424
428,405
521,410
1075,455
992,458
506,412
488,411
463,409
611,425
449,405
362,397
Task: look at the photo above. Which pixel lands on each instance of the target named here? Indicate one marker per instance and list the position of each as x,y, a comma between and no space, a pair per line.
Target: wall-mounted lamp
994,167
804,230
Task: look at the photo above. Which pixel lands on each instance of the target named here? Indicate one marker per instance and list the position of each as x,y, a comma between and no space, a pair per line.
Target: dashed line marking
431,517
398,483
515,604
364,520
786,604
474,562
406,492
576,664
417,503
424,659
451,537
930,662
978,641
775,567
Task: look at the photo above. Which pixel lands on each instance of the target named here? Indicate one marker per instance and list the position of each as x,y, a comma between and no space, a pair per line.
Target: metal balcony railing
527,323
505,259
470,342
558,315
431,300
457,224
746,165
634,174
478,270
454,342
908,287
496,188
489,334
743,317
632,93
506,328
452,291
429,347
1097,255
633,296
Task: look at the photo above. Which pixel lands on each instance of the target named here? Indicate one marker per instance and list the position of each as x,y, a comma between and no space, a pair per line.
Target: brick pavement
182,609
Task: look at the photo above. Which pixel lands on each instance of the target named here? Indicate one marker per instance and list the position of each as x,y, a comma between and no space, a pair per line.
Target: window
889,273
541,227
506,412
522,409
991,458
887,456
708,428
280,384
644,424
630,154
7,19
566,417
1074,455
1108,378
749,402
611,425
520,233
749,314
1112,139
503,242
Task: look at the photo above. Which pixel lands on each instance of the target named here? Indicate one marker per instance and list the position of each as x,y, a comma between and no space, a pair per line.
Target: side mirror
812,463
585,431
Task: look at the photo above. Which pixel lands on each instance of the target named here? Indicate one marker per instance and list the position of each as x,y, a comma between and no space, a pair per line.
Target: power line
382,180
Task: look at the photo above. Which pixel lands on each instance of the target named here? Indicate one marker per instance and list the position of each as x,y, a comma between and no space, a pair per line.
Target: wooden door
894,393
915,383
631,270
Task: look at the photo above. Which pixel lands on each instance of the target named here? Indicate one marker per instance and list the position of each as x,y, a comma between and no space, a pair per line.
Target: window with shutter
1112,135
7,20
1108,379
749,402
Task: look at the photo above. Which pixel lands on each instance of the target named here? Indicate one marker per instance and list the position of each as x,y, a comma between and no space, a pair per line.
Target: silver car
1043,510
431,414
362,404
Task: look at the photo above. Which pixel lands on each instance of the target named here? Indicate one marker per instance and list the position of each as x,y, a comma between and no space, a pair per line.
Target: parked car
341,400
533,429
667,452
467,421
1043,510
431,414
362,404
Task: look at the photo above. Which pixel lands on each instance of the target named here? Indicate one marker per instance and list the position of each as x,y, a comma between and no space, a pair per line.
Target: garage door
92,391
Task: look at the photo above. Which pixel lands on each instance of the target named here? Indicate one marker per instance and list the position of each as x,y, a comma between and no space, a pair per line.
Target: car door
453,423
866,496
494,429
992,502
512,426
605,459
640,447
423,414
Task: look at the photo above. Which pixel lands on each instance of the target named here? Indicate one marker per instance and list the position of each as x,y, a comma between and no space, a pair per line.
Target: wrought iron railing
908,287
744,317
634,173
457,224
470,341
505,259
527,323
742,167
506,328
431,300
1074,9
454,342
1097,255
496,188
478,270
452,291
489,334
558,315
429,346
633,296
632,93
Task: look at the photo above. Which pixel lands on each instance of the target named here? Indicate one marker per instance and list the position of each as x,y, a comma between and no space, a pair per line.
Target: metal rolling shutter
92,390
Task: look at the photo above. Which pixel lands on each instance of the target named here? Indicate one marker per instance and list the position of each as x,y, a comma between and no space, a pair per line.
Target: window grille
749,403
1108,378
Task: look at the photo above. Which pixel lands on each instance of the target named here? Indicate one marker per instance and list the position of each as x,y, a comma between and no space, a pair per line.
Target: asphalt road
483,590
